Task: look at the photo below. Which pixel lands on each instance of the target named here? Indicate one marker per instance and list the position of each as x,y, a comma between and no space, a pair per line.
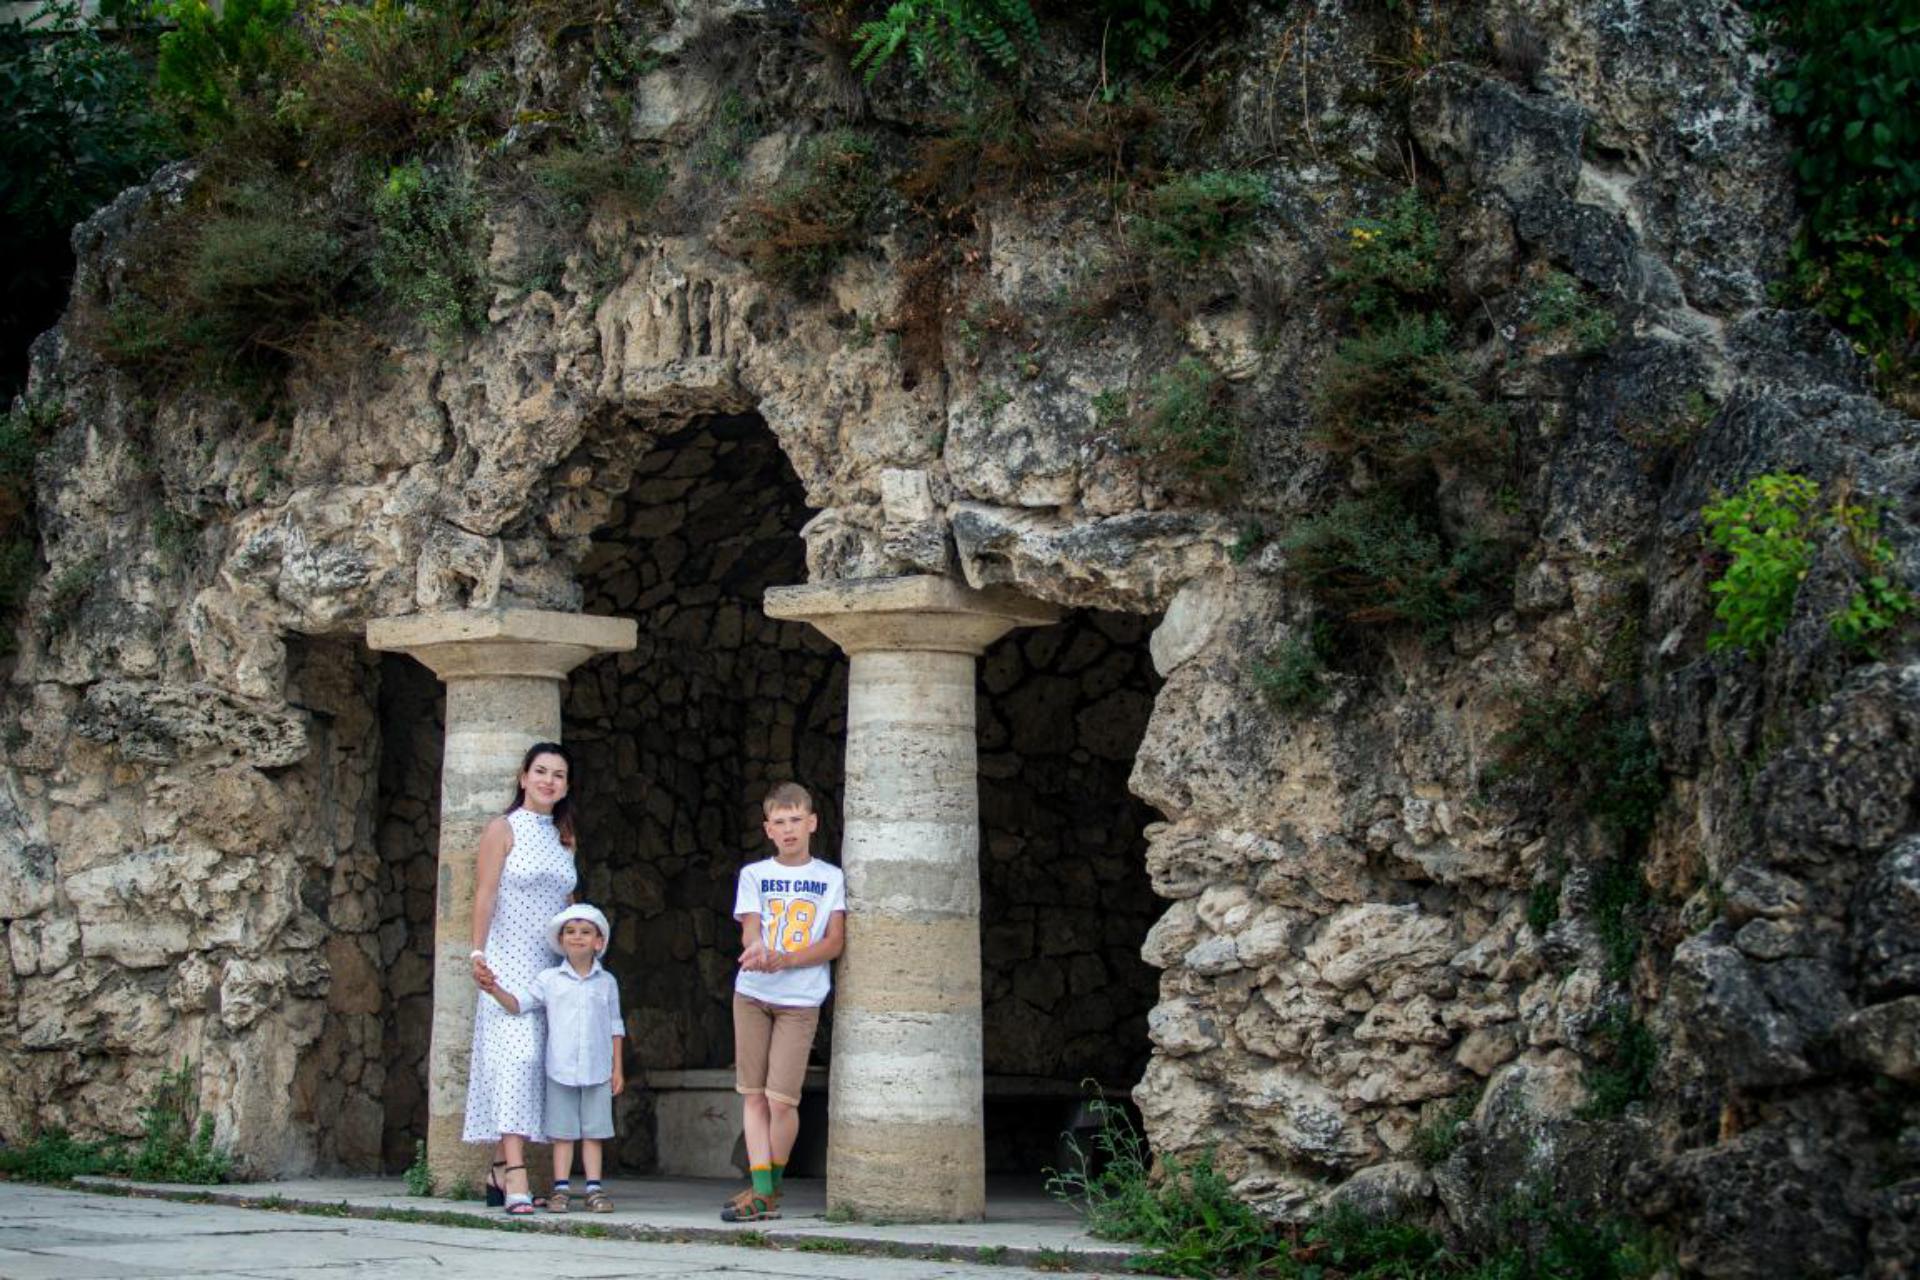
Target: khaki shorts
770,1047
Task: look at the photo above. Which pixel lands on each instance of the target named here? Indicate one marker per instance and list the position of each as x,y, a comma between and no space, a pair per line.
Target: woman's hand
483,976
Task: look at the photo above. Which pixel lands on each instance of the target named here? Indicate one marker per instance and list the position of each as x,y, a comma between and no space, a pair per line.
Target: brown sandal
599,1202
759,1208
558,1200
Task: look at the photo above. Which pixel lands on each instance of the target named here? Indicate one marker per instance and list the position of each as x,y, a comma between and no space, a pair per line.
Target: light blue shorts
579,1110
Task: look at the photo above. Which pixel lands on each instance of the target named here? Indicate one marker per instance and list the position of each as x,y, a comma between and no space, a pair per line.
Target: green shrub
1881,601
1197,217
1543,905
1292,676
1187,1214
1391,260
211,57
1767,528
173,1146
1373,560
946,37
1187,429
228,293
80,128
579,178
1846,81
384,79
419,1174
1584,747
817,213
1769,531
1402,395
1619,910
1558,308
428,261
1441,1135
1624,1075
1137,33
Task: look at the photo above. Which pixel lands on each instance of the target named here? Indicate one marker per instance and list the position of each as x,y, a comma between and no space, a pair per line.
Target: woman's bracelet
476,954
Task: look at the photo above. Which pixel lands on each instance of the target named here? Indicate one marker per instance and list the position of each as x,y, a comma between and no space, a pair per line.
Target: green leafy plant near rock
1401,394
1847,81
1196,217
1186,426
1624,1075
1189,1223
818,212
1379,560
24,430
1558,308
1292,675
176,1145
1391,262
429,226
418,1176
1770,532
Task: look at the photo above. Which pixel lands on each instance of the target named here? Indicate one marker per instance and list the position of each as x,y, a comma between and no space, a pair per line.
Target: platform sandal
496,1191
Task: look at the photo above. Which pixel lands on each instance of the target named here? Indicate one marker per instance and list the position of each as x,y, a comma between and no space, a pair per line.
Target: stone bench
697,1119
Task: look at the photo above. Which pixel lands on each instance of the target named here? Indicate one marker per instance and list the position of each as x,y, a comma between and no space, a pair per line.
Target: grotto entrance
678,740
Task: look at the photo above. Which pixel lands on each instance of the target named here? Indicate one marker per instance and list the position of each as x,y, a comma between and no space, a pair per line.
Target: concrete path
49,1234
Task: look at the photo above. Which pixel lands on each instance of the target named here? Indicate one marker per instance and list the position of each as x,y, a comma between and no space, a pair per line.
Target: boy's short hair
786,795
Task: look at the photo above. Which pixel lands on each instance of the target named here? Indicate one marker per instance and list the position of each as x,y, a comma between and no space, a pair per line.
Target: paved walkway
49,1234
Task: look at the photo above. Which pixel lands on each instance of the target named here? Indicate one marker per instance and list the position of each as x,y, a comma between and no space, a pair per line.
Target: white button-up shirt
583,1017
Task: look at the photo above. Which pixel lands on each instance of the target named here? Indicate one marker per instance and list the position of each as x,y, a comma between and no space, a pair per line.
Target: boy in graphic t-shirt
792,910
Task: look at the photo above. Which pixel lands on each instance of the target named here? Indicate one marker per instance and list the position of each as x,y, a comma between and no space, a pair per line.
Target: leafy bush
946,37
428,259
1769,531
174,1146
1292,676
1197,217
1588,749
230,292
1186,427
1373,560
1881,602
1847,83
1138,32
1619,905
1557,307
419,1175
384,78
818,211
582,177
1391,260
23,431
80,129
1187,1214
1443,1132
1625,1074
1402,395
211,57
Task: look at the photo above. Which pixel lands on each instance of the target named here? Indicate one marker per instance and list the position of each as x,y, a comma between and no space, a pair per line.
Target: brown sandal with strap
599,1202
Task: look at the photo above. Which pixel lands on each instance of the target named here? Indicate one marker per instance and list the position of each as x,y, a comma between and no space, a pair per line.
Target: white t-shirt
794,905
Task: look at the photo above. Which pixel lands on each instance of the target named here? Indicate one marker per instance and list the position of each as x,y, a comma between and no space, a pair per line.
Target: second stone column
905,1098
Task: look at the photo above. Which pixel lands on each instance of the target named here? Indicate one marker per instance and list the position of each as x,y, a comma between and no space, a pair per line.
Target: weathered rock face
218,807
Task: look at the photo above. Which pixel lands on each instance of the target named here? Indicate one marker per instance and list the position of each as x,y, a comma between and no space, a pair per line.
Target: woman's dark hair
562,811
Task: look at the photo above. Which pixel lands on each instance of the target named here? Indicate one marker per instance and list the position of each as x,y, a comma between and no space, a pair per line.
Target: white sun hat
578,911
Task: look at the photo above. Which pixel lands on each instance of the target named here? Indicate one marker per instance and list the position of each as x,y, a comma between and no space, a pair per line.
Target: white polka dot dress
506,1086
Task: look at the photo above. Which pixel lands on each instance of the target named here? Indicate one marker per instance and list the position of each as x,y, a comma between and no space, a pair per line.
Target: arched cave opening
677,741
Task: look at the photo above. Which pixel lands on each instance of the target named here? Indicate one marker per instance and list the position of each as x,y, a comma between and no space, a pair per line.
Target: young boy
584,1034
792,911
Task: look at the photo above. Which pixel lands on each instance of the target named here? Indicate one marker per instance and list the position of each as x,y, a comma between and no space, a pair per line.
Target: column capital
922,612
480,643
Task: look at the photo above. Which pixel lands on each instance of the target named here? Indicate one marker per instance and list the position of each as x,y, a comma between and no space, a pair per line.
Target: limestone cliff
1380,914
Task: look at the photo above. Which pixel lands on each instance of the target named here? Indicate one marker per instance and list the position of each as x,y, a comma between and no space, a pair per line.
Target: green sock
762,1180
779,1172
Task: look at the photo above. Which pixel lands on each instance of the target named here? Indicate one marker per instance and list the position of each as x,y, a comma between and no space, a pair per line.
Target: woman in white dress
525,875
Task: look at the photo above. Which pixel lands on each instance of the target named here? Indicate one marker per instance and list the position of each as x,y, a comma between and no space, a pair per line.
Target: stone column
905,1090
503,669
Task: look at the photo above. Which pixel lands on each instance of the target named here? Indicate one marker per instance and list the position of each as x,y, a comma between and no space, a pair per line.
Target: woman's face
545,782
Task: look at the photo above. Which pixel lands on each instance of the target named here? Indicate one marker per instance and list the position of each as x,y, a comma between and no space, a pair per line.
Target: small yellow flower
1361,235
